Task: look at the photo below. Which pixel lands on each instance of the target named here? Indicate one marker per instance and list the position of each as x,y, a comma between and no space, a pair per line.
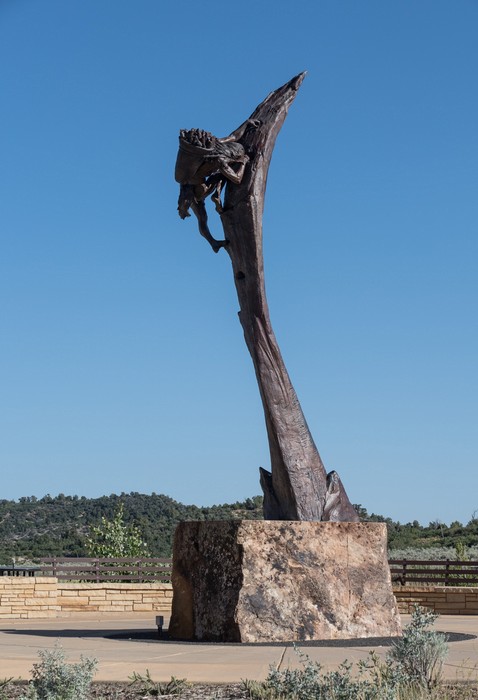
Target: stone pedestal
276,581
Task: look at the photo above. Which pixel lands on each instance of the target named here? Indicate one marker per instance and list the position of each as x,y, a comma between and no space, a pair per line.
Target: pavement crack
281,659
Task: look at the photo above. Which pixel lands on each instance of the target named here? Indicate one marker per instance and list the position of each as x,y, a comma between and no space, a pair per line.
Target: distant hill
57,526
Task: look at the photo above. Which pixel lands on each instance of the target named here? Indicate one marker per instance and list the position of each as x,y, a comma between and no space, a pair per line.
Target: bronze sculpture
298,486
203,163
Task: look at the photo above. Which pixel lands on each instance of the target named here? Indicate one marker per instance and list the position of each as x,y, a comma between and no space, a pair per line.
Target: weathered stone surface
259,581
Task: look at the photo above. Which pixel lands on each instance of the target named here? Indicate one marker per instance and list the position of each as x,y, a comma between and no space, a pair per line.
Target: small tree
115,538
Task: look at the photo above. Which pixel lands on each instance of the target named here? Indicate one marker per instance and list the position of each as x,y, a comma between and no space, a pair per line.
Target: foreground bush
411,670
54,679
420,652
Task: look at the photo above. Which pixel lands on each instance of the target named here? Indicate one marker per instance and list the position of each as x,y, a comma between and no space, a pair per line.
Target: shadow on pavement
151,635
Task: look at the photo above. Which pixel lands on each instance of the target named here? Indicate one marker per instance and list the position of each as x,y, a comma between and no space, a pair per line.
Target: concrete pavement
20,641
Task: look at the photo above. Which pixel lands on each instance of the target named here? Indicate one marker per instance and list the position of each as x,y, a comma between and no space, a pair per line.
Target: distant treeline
57,526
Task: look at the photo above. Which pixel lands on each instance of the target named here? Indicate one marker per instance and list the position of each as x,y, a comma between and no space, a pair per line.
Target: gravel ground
124,691
234,691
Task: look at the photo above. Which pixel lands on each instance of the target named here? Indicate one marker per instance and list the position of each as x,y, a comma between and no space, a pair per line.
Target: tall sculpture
301,578
298,486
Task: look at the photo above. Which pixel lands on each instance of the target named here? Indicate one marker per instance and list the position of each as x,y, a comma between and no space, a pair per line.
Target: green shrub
420,651
410,671
436,553
146,686
115,538
372,682
54,679
4,684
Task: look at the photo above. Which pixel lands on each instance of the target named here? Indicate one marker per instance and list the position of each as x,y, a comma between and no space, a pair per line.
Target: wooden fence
403,571
443,572
127,569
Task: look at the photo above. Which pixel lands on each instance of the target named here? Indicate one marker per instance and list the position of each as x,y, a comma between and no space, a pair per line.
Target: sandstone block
68,601
455,598
40,614
256,581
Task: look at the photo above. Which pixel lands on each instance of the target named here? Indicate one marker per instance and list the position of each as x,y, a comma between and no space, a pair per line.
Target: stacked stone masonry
28,597
44,597
440,599
114,597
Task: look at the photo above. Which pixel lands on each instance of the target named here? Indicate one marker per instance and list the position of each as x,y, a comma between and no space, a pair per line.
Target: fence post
404,574
97,570
447,573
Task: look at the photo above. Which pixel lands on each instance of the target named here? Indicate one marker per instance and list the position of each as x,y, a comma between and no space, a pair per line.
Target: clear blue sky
122,362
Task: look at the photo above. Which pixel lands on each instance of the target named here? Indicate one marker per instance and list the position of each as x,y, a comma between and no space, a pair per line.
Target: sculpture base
278,581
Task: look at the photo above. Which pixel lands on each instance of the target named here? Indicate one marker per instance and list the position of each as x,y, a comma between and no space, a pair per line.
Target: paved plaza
127,644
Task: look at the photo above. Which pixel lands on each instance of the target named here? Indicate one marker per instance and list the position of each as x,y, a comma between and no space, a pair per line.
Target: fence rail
445,572
127,569
403,571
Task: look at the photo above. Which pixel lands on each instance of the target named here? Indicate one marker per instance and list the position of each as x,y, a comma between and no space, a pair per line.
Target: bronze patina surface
298,486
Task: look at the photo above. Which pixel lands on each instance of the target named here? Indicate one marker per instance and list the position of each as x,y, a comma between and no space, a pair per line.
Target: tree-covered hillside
405,536
58,526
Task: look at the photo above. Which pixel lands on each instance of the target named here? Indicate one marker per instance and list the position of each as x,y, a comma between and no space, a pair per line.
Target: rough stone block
257,581
40,614
46,587
455,598
445,605
68,601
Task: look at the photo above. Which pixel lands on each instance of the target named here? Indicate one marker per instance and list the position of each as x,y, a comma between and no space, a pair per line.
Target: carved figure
203,163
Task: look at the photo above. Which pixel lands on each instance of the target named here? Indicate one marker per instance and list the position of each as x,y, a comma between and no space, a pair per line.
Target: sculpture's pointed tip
296,82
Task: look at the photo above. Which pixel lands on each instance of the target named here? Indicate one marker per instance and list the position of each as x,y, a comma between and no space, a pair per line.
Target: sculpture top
203,163
298,486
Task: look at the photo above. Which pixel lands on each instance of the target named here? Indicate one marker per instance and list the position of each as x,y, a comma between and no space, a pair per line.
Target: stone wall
114,597
449,600
43,597
28,597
